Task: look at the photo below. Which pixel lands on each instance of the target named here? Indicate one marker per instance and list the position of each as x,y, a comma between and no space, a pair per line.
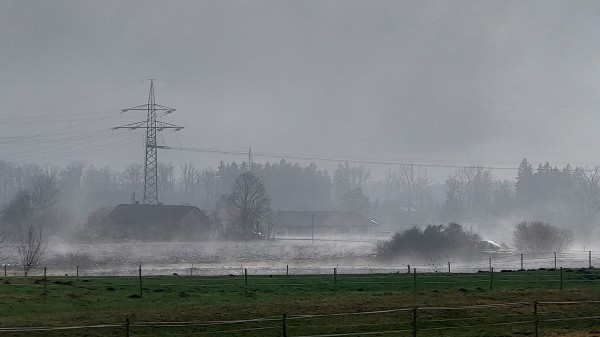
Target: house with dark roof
326,223
160,223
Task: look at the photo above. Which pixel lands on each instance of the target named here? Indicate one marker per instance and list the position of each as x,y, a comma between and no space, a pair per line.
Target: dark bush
430,243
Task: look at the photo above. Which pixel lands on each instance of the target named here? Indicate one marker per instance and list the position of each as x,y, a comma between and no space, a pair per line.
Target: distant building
160,223
326,224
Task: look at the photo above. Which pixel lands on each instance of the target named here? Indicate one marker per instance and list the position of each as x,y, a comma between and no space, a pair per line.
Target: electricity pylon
152,126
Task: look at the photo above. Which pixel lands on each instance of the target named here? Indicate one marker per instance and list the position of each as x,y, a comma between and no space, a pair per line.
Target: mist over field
305,133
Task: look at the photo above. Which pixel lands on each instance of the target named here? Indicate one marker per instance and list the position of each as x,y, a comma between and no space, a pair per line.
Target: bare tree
16,214
412,182
134,176
541,237
359,176
249,199
469,191
7,180
44,189
32,248
4,232
166,178
72,175
188,180
389,185
208,180
587,194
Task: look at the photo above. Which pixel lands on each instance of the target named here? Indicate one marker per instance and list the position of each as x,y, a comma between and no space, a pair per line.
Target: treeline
567,197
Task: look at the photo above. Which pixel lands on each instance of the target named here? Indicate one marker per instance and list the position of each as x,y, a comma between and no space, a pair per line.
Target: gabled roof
148,214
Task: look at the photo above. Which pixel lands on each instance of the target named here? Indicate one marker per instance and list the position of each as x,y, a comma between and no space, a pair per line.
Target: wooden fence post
140,278
127,326
192,270
491,278
45,281
287,270
590,258
415,280
414,322
522,261
77,272
284,325
4,270
561,278
449,267
535,318
334,278
554,260
246,279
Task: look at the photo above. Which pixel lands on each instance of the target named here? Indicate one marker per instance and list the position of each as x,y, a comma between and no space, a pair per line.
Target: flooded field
207,258
273,257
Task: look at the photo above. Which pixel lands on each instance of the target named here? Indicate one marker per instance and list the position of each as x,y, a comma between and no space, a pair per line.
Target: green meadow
480,304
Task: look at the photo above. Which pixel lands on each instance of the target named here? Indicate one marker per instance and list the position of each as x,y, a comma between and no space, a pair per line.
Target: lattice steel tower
152,126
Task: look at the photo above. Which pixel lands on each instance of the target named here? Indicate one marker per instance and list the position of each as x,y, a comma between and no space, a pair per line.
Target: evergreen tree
524,182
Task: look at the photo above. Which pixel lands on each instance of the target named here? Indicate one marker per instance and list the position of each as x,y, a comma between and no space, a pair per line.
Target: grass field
448,304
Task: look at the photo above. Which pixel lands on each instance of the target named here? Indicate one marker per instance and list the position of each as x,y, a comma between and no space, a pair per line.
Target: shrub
541,237
434,241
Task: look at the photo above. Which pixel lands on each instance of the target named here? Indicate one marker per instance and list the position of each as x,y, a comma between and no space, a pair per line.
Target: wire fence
415,282
441,264
518,318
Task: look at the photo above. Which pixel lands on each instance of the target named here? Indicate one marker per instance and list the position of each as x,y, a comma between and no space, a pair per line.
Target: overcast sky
451,82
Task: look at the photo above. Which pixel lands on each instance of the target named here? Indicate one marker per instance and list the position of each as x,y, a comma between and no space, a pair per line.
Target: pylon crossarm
132,126
139,107
162,125
155,107
166,109
158,127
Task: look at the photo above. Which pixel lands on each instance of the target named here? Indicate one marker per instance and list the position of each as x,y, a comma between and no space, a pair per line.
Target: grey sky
438,81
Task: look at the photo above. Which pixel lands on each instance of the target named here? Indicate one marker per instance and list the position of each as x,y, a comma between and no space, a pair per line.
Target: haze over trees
405,195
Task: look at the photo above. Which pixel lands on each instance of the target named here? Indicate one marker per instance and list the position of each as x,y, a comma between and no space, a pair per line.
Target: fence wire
423,324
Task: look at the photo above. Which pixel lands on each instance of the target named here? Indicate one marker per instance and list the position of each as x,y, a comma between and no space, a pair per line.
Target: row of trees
471,193
404,195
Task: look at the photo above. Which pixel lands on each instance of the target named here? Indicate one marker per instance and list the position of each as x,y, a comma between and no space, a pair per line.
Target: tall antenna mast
152,126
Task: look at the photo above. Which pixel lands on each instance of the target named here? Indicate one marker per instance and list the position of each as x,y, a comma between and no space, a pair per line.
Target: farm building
160,222
326,223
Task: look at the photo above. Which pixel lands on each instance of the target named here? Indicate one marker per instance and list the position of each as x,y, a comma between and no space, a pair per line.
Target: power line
90,150
67,81
356,160
52,148
54,121
78,98
330,158
65,128
60,115
386,97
